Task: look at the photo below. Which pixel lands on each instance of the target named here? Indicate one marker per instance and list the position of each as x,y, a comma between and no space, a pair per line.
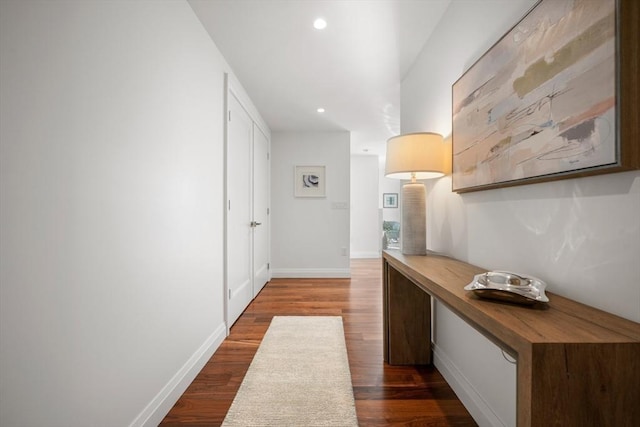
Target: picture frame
390,200
310,181
547,101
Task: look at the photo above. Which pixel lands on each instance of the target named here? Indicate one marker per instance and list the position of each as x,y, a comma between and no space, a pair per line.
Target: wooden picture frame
554,98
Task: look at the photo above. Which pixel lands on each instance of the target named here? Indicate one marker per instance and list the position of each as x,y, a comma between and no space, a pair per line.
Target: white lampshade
421,154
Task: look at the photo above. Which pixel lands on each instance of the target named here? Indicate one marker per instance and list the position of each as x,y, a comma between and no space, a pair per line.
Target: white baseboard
359,255
160,406
470,398
311,273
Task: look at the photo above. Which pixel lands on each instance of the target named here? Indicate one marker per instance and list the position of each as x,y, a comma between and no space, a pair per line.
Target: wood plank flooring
385,395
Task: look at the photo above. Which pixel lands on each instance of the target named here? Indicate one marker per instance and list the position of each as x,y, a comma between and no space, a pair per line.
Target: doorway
247,208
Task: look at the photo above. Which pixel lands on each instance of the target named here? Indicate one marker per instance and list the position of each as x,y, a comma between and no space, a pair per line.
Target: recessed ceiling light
319,24
320,110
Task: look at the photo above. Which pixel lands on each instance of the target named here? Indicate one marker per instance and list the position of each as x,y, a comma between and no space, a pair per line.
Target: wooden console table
576,365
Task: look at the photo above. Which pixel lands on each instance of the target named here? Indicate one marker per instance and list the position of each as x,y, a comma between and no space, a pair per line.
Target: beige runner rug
299,377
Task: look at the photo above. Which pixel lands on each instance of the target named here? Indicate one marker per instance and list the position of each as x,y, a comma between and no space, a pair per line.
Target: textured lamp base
414,224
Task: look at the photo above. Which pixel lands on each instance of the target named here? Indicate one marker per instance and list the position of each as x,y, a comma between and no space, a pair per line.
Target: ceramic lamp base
414,219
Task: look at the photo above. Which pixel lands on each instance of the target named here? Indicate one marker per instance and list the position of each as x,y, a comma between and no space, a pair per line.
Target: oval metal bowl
508,286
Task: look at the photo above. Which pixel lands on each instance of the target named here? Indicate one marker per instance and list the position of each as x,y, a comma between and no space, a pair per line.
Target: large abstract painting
542,101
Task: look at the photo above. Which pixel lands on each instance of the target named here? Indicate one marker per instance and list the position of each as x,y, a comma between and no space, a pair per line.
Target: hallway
385,395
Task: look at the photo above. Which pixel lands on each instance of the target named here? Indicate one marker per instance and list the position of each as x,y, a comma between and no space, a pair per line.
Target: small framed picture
390,200
310,181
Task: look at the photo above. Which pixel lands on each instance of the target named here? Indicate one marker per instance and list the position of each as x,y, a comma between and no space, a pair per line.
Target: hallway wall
581,236
111,209
310,236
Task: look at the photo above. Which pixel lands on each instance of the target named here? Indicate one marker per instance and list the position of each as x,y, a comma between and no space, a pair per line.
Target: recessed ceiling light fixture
319,24
320,110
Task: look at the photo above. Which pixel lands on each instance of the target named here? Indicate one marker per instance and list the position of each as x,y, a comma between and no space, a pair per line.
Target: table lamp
414,156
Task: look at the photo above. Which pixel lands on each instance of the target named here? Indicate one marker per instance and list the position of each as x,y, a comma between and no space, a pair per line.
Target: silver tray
507,286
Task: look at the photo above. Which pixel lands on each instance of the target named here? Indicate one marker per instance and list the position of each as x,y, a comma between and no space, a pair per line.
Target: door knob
255,224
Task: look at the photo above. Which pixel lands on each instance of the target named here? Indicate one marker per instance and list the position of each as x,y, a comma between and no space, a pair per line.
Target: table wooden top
560,321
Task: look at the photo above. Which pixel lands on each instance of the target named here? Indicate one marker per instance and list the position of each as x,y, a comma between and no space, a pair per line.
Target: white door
260,210
239,209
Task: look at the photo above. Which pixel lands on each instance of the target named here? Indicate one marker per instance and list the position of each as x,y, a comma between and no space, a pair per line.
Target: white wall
366,231
310,236
582,236
389,185
111,209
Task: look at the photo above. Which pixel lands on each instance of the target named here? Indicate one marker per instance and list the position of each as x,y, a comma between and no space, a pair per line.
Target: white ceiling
353,68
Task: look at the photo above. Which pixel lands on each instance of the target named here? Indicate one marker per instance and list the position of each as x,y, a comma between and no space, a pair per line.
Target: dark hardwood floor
385,395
